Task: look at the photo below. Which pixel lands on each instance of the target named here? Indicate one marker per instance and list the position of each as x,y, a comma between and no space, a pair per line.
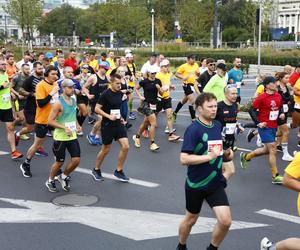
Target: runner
60,66
165,101
205,76
46,94
227,116
188,73
151,87
63,118
217,83
236,76
203,62
295,75
71,61
269,105
202,154
152,62
108,107
6,113
11,68
131,72
282,130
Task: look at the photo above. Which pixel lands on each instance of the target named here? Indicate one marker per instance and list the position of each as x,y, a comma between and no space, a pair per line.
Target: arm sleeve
42,102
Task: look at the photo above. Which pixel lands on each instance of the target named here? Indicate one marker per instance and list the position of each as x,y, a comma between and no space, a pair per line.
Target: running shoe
91,120
174,117
17,139
121,176
132,116
279,148
65,184
167,131
24,137
250,135
92,139
51,186
49,134
97,175
137,141
265,244
128,125
146,133
25,168
79,133
173,137
98,140
16,155
243,161
277,179
287,157
154,147
234,148
41,152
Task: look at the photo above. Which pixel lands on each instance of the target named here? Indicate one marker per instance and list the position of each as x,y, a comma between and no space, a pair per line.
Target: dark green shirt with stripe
207,175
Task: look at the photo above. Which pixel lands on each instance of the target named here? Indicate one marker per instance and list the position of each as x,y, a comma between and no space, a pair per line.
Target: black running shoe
250,135
25,168
279,148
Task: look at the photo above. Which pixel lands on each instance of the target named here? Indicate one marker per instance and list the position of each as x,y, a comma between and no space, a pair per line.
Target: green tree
27,13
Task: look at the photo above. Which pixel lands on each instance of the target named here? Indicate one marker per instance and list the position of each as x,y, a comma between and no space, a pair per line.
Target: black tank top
98,88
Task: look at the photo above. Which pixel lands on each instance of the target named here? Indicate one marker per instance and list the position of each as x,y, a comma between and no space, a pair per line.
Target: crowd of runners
53,95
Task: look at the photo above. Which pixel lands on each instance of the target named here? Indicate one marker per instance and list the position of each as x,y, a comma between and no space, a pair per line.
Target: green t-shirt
5,100
216,86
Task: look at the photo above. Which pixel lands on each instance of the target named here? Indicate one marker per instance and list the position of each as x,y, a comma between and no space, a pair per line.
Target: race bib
230,128
124,97
238,85
6,97
215,143
116,112
285,108
71,126
273,115
297,106
152,106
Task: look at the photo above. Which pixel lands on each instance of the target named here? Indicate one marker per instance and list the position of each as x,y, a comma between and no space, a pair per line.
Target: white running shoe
287,157
258,142
265,244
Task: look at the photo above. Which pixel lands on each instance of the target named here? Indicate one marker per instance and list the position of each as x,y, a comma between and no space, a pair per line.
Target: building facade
288,15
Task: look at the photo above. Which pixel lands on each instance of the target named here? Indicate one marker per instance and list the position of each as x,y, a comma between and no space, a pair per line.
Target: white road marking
280,216
244,149
132,224
4,153
111,176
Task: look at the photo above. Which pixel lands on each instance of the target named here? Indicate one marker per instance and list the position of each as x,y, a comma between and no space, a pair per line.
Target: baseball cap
152,70
49,55
67,83
268,79
129,55
164,62
104,65
222,66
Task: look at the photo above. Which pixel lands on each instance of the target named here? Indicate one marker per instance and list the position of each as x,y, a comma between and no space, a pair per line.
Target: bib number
6,97
152,107
273,115
215,143
230,128
71,126
116,113
285,108
238,85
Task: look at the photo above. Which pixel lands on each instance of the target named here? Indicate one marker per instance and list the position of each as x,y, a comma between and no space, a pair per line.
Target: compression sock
192,111
179,106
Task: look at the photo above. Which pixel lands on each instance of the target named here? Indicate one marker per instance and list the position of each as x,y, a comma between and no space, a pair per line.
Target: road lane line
280,216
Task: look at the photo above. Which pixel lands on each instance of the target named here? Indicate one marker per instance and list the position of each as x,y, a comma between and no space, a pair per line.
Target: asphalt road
142,215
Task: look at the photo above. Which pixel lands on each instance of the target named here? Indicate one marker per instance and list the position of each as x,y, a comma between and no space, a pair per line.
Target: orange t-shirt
10,71
42,90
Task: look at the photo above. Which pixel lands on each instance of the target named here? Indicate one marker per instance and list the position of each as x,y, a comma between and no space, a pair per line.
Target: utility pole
152,30
259,38
215,27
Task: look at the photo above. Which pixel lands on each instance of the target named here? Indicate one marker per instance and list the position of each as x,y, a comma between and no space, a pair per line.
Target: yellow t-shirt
260,89
94,64
165,79
189,71
293,169
111,63
297,86
130,66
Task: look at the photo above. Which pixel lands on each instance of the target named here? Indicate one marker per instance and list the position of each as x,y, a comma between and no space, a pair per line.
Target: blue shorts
267,135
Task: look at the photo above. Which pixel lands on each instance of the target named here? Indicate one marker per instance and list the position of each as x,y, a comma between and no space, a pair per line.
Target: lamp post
215,25
152,29
259,38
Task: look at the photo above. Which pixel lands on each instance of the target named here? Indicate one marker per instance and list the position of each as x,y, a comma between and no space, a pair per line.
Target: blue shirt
76,85
236,76
197,137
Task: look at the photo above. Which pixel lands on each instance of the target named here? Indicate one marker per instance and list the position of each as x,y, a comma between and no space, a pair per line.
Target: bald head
288,69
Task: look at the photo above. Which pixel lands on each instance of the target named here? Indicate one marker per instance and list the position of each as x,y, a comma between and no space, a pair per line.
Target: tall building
288,15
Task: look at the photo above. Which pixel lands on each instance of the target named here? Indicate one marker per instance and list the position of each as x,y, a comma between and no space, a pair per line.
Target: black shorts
146,110
29,116
82,99
194,199
21,105
187,88
164,104
92,105
112,132
59,149
6,115
41,130
284,121
238,100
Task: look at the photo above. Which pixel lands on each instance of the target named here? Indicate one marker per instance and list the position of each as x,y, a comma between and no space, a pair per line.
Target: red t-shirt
293,78
268,106
70,62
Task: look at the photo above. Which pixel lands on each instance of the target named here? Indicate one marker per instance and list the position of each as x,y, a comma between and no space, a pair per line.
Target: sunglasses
211,64
85,68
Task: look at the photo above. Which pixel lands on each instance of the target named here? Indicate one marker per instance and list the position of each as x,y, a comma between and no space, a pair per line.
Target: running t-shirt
29,85
70,62
42,90
11,70
297,98
268,106
150,90
226,113
190,71
165,79
204,79
199,138
293,170
237,77
111,104
131,71
216,86
294,78
5,102
286,98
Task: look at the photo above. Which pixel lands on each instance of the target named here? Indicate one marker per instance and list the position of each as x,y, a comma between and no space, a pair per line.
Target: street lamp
259,37
152,26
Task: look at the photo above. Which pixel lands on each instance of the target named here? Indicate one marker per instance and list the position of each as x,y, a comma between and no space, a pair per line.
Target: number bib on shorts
230,128
71,126
152,106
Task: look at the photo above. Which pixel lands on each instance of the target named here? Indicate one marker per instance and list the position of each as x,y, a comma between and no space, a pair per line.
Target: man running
108,107
46,94
201,152
206,75
63,119
235,76
269,105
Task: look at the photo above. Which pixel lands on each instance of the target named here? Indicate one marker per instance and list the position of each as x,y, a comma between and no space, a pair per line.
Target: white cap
164,62
129,55
152,69
127,51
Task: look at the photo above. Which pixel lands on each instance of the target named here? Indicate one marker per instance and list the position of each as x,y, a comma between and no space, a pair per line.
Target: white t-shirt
147,66
20,63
